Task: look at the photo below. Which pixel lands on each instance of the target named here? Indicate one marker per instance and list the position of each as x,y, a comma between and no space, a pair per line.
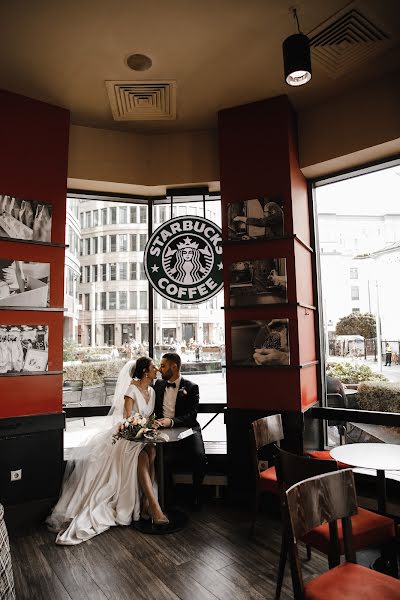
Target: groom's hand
164,422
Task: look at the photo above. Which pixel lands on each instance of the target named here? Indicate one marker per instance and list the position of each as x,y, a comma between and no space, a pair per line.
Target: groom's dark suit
189,451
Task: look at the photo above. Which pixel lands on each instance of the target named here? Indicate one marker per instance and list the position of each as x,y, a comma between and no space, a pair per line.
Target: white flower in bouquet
133,427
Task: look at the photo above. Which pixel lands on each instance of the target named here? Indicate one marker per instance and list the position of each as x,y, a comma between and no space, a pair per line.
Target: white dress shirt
169,399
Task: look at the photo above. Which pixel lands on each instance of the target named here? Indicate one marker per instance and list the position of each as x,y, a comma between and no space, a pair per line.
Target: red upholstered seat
326,455
352,582
268,481
369,529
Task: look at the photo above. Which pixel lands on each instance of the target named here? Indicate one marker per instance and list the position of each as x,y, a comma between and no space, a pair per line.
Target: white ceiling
221,53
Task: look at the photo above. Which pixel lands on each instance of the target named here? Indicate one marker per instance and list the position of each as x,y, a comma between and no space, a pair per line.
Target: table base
177,521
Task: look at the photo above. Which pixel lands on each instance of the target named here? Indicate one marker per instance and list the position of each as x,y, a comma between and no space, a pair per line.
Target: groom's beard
167,375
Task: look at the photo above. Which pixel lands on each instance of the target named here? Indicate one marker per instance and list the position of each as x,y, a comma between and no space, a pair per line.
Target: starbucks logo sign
183,260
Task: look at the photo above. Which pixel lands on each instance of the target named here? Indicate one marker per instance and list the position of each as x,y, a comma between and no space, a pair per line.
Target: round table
381,457
177,518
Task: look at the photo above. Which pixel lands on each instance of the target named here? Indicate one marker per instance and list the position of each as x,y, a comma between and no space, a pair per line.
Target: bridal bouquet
133,427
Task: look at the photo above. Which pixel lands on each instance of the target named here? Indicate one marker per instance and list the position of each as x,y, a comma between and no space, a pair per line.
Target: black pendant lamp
297,57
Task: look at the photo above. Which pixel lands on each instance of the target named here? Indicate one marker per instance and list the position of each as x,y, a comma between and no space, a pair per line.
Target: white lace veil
124,379
92,449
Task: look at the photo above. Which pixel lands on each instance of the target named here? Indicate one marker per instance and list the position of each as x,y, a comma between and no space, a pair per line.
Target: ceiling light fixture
297,56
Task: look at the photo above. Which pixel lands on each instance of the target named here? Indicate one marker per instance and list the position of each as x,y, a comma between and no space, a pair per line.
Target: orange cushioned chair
325,499
264,434
369,529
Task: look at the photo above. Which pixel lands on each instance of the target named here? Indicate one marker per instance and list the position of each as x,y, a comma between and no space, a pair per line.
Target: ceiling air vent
142,100
344,42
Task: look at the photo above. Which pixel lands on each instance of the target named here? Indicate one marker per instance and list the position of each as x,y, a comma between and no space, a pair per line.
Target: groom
177,401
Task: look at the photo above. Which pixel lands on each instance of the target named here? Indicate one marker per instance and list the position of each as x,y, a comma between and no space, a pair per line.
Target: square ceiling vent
142,100
345,41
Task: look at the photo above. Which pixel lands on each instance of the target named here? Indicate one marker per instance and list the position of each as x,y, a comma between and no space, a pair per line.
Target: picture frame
256,219
25,348
24,283
23,219
260,343
258,282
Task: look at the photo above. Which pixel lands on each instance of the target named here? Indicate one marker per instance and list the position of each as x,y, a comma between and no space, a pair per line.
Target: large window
359,249
115,302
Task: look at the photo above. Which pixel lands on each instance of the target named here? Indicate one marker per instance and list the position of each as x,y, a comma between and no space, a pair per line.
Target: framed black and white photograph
25,219
260,343
24,283
23,348
254,282
259,218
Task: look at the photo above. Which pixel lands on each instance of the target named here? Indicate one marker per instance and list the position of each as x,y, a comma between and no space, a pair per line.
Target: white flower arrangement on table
133,427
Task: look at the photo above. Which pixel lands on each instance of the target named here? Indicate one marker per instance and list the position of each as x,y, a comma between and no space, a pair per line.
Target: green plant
349,372
92,373
381,396
70,349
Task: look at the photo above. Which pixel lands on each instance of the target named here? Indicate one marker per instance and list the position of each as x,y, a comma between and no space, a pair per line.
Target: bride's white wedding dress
101,489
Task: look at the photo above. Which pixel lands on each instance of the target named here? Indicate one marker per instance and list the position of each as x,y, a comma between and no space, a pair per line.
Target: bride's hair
141,367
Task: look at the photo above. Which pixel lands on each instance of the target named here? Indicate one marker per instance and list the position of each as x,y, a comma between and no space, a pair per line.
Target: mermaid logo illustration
183,260
188,263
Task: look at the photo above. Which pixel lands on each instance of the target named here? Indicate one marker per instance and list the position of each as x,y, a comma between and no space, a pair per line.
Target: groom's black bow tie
173,385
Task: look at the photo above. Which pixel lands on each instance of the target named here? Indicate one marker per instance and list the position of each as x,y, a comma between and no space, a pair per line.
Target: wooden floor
212,558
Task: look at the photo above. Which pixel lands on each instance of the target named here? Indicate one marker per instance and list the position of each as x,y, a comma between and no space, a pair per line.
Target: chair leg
308,548
389,556
282,564
84,422
255,512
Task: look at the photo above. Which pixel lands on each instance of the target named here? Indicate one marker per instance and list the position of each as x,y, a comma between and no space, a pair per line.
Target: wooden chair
369,529
264,434
309,505
109,387
72,394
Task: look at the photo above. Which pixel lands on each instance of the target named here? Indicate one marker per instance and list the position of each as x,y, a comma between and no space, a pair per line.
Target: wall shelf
31,373
33,242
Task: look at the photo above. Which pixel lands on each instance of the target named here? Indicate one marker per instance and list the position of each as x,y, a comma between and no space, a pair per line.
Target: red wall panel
33,166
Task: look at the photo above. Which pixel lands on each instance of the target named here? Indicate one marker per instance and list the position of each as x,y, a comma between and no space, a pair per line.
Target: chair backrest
267,430
109,385
335,400
264,432
73,385
317,500
292,468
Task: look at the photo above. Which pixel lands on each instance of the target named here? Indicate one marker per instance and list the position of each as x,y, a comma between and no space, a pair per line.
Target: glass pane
359,261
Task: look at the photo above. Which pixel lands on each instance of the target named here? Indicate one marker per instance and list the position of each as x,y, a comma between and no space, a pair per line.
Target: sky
373,194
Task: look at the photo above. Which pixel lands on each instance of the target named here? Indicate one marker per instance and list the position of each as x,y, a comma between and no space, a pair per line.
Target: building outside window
142,241
355,292
123,243
113,215
143,214
123,300
353,273
103,244
133,242
123,271
113,243
123,215
112,300
113,271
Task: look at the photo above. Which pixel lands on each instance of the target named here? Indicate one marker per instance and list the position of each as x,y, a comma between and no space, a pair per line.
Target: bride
105,483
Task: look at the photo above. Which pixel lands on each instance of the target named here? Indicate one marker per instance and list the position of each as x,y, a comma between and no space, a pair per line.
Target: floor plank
211,559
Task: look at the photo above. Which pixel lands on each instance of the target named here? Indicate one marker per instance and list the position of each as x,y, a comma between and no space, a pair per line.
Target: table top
350,392
169,434
369,456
